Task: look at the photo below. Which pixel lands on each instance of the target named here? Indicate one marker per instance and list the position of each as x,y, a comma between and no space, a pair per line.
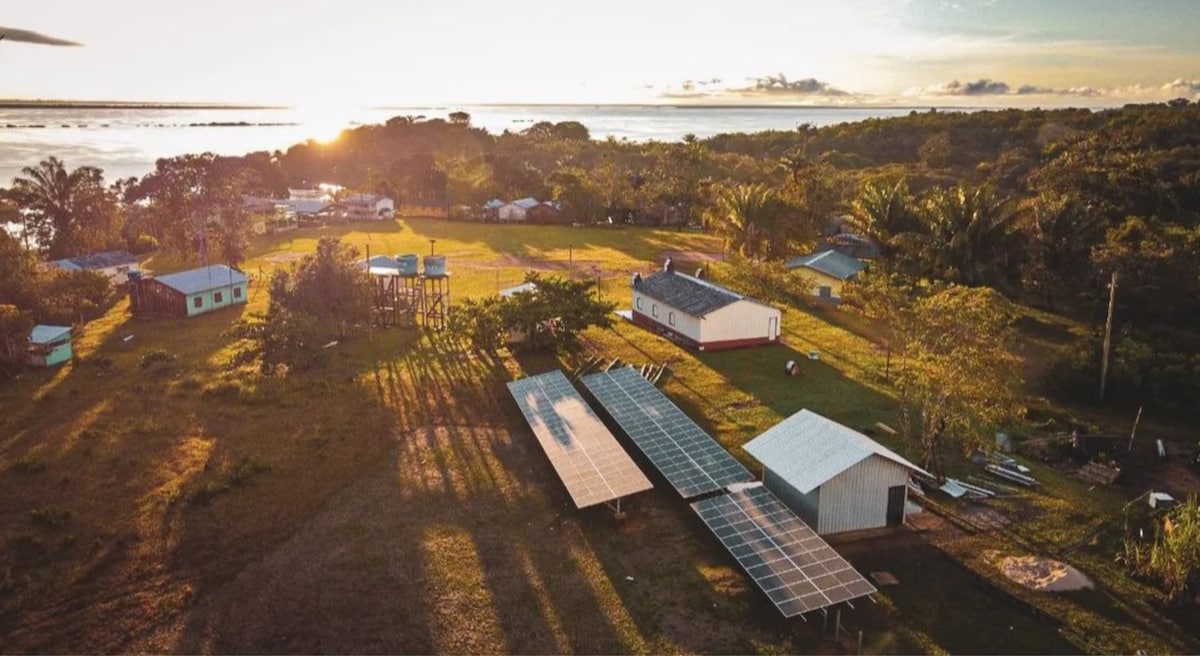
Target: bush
157,359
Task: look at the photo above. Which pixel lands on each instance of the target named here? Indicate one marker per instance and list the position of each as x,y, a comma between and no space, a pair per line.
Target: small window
671,318
197,302
237,292
654,310
217,297
639,302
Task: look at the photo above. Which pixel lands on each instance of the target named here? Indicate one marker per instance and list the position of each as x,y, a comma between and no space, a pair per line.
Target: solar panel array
692,461
589,460
797,569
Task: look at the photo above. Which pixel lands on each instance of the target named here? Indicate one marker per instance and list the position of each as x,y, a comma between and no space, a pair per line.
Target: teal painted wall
58,355
208,301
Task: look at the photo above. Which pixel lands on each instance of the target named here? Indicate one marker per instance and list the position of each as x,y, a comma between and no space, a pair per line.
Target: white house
701,314
832,476
117,265
517,210
367,206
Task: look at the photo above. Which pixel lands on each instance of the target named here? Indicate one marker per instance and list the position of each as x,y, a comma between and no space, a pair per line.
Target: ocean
127,141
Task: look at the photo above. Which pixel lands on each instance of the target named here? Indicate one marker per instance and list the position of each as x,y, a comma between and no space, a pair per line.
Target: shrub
54,518
157,359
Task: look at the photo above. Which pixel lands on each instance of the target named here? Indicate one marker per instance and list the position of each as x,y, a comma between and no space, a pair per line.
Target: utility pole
1112,301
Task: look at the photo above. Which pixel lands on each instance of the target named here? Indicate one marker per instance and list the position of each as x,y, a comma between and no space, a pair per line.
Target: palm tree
886,215
52,199
968,230
748,217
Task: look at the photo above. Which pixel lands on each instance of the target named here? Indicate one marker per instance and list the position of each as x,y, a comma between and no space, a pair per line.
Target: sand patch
1043,574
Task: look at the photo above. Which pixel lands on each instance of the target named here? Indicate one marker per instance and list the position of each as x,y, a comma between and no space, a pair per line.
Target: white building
367,206
518,210
701,314
116,265
832,476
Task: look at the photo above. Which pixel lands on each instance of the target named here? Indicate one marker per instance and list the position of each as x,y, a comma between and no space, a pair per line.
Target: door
895,507
772,327
825,292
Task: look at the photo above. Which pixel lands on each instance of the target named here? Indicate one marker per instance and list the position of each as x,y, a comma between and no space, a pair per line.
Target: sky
408,52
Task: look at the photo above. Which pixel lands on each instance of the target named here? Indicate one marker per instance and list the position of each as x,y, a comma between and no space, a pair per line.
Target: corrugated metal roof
691,295
66,264
43,334
830,263
380,262
203,279
493,204
806,450
526,203
523,287
99,260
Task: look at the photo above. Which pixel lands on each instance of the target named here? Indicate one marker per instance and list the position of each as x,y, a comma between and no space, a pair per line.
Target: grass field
397,503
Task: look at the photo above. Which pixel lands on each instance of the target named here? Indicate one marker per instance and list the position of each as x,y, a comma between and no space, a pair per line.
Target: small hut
49,345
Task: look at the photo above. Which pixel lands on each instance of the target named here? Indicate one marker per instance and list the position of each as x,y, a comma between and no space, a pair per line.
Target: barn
188,293
700,314
834,477
829,269
49,345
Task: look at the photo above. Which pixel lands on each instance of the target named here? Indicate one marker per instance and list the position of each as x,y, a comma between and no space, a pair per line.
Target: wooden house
188,293
49,345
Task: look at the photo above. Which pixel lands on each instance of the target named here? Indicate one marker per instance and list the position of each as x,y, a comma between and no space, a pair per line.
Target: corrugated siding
804,505
856,499
740,320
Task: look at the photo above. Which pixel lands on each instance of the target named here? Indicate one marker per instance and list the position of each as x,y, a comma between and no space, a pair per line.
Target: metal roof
98,260
523,287
830,263
691,295
43,334
494,203
380,262
526,203
203,279
806,450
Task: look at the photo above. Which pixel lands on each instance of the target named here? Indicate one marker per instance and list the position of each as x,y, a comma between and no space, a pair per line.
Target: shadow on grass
960,610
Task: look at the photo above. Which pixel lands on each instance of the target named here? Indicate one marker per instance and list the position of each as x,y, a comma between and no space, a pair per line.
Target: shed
546,212
49,345
188,293
834,477
701,314
830,269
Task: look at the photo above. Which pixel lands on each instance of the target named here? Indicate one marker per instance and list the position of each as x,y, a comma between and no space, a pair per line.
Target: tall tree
66,212
957,376
969,230
753,219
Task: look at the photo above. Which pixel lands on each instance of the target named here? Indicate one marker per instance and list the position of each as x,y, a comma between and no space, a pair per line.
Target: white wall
740,320
119,275
684,324
857,498
511,212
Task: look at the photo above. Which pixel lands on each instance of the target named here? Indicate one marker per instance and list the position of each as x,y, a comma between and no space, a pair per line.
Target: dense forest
1044,206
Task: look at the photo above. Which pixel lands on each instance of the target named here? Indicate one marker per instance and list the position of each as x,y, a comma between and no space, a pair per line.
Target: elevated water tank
409,264
435,266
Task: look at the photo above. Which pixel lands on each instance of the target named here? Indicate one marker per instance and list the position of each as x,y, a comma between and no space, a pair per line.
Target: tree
329,286
968,230
956,377
753,219
64,212
1060,234
460,118
14,338
549,317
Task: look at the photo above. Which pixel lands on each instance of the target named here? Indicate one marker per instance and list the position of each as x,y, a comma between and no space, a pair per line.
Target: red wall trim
650,324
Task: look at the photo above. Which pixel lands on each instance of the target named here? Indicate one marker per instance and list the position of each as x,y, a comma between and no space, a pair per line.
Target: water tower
435,292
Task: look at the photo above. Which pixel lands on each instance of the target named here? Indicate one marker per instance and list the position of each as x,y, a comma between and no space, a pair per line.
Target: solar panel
692,461
797,569
589,460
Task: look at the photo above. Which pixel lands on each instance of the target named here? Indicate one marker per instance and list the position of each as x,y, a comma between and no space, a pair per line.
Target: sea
126,141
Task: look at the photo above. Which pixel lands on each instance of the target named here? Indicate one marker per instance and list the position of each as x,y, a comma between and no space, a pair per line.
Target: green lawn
396,502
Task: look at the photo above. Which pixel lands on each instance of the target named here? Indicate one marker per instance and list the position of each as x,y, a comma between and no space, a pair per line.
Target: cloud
28,36
779,84
980,87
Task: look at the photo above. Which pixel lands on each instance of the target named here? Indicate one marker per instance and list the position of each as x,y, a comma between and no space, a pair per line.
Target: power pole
1112,301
